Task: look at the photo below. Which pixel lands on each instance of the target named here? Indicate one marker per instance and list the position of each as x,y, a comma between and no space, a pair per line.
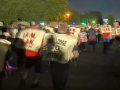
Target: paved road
94,71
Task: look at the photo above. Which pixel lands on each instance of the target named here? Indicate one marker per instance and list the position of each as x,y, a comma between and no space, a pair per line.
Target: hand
78,43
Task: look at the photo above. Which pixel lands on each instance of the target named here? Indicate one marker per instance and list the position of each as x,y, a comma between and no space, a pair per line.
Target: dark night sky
104,6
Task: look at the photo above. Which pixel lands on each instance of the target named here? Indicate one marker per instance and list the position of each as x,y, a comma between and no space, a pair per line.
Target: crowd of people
55,46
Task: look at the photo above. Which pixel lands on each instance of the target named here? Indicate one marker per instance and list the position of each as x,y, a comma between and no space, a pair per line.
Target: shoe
22,82
35,85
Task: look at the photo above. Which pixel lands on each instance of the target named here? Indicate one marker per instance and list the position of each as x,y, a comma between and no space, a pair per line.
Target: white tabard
117,31
14,32
88,27
106,29
33,38
74,31
113,31
4,46
61,50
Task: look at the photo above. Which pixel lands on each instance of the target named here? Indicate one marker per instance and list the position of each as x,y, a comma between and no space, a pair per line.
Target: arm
96,32
88,32
79,40
75,52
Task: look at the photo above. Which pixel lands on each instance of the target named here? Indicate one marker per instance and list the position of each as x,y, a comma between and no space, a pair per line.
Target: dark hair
4,29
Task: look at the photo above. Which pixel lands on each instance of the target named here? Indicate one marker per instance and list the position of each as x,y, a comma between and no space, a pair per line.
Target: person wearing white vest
34,41
4,56
74,31
59,50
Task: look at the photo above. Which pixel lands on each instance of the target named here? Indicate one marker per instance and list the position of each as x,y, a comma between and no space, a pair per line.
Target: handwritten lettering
30,37
62,42
118,31
106,28
72,33
26,35
73,30
54,55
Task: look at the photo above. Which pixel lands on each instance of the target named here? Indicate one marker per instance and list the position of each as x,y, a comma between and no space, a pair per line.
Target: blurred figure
49,29
106,40
20,28
34,41
96,28
82,39
60,55
99,33
5,54
92,37
20,50
74,31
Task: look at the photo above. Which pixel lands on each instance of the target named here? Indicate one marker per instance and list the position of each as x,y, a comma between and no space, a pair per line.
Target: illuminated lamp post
68,17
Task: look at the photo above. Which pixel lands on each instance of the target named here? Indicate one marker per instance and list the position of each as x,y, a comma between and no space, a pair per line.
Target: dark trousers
82,46
106,47
2,76
117,38
21,58
111,41
59,74
99,36
91,43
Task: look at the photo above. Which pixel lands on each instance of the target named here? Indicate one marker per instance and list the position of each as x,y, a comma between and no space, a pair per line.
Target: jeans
106,39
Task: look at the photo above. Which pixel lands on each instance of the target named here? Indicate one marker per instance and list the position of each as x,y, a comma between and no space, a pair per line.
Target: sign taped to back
32,38
117,31
106,29
113,31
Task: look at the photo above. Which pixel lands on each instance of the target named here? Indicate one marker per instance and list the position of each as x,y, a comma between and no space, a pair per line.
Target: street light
68,17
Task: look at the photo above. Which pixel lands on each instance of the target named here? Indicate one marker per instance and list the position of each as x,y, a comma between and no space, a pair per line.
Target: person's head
88,24
83,29
35,25
48,24
93,26
104,24
19,26
62,27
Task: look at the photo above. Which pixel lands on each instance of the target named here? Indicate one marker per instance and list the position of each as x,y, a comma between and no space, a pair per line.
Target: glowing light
68,14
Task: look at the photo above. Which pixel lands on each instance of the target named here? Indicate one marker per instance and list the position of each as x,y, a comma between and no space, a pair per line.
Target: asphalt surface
93,71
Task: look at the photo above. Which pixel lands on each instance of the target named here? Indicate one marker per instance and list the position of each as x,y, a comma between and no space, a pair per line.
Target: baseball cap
33,23
73,23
